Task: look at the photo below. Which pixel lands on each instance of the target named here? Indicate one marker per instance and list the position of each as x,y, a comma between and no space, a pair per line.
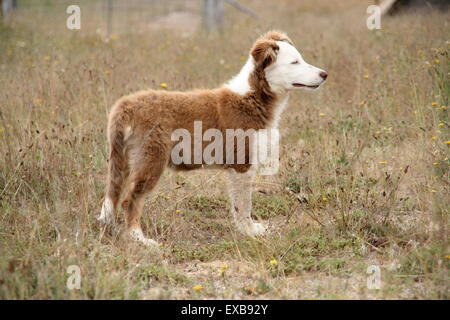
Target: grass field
364,176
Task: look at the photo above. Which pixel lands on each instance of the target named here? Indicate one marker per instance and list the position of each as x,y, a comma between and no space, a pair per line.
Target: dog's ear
264,52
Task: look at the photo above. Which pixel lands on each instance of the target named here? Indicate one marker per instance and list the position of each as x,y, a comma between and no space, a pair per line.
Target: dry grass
364,176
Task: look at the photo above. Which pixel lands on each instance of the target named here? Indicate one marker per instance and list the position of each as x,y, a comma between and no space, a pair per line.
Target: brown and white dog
140,127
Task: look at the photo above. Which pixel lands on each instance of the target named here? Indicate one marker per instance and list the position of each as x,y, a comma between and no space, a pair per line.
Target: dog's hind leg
117,173
145,172
240,191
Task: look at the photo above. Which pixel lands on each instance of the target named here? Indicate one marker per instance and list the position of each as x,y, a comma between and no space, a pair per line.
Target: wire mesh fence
113,16
129,16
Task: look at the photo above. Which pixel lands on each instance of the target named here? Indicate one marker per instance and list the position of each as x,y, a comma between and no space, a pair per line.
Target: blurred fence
132,16
116,16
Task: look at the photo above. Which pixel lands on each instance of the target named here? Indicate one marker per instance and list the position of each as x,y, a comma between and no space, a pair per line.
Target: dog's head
283,65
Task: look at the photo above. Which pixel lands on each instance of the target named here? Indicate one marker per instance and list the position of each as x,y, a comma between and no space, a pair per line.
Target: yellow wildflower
366,76
382,162
273,262
322,114
163,85
197,287
222,269
434,104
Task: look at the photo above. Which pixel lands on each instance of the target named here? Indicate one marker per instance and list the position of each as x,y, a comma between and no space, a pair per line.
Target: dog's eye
295,62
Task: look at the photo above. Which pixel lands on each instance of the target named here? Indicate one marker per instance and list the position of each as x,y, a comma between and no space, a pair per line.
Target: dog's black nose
324,75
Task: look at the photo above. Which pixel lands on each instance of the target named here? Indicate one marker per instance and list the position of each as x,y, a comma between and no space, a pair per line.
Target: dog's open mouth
305,86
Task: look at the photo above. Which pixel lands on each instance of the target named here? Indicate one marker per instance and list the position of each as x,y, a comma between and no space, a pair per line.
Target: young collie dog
140,128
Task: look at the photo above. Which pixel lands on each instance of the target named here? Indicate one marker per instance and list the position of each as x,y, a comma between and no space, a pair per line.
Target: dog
140,128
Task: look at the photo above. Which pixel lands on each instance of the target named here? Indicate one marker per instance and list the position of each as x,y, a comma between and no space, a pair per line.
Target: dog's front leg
240,190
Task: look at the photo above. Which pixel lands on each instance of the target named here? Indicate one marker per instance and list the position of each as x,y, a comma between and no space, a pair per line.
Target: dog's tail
118,162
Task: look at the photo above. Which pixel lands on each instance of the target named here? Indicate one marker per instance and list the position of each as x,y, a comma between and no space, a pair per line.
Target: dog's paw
137,235
251,228
149,243
106,217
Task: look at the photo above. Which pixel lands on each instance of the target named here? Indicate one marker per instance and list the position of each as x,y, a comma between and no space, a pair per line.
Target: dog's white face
291,72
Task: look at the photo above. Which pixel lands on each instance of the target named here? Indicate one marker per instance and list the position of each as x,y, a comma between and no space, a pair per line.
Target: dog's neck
251,84
239,83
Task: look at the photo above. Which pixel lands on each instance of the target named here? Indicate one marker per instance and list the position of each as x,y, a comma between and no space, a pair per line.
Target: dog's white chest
266,147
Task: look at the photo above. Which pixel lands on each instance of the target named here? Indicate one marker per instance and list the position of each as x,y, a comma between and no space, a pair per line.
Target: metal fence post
7,5
213,14
109,11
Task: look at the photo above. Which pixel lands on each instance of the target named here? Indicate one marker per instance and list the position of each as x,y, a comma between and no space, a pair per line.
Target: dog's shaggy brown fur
140,127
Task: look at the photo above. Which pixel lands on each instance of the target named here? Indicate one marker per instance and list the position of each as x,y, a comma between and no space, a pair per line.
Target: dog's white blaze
288,53
283,73
239,83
